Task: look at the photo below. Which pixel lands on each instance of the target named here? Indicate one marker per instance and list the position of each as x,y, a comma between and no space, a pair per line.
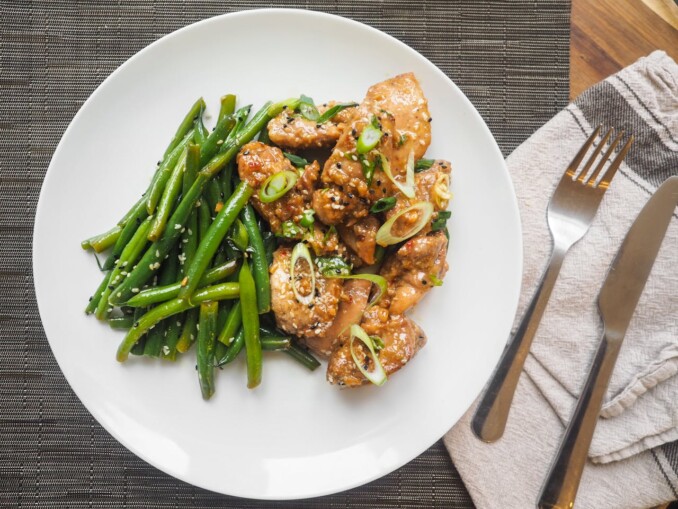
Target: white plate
295,436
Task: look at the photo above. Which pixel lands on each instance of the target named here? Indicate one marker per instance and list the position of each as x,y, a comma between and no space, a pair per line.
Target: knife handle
562,482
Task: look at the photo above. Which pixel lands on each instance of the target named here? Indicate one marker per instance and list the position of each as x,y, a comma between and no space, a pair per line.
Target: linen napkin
634,453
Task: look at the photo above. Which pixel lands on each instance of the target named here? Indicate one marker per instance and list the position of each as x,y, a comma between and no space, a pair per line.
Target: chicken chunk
402,339
256,163
354,297
362,238
399,107
308,322
292,131
413,270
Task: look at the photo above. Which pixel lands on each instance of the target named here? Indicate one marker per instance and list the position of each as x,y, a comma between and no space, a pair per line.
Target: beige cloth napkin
641,409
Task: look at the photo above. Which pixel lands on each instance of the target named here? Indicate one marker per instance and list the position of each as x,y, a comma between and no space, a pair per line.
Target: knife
617,301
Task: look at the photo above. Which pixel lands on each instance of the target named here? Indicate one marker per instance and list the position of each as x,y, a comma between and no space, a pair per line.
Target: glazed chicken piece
256,162
352,303
402,339
292,131
431,185
308,322
361,237
399,107
413,270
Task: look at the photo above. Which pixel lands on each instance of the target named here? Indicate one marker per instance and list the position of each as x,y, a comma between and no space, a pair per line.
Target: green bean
263,135
227,106
157,294
250,325
224,309
189,238
233,322
138,348
102,241
239,236
168,274
121,322
128,258
192,166
226,180
259,261
201,133
230,148
220,350
225,177
164,172
233,349
216,139
204,219
148,264
139,215
94,299
275,343
213,195
302,356
215,234
172,307
189,331
168,199
206,339
186,124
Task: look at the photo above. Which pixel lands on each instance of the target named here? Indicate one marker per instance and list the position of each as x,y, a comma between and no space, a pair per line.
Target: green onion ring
377,376
408,187
386,238
277,185
301,251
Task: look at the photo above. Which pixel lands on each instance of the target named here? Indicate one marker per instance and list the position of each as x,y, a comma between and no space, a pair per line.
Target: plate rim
197,26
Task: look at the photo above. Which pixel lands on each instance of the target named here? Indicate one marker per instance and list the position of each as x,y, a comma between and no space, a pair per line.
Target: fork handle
562,482
492,412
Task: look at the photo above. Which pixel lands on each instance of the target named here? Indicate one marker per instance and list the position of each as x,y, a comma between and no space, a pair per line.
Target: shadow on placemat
511,59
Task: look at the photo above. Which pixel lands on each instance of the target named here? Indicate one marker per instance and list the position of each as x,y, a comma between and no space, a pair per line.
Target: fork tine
592,179
571,169
585,170
614,166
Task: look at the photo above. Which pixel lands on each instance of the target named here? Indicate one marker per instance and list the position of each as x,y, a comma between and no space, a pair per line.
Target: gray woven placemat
510,58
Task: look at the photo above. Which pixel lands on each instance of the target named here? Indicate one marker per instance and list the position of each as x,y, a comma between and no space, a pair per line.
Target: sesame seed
157,253
135,290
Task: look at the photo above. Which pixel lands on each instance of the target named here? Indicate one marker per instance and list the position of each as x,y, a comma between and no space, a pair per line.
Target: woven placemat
510,58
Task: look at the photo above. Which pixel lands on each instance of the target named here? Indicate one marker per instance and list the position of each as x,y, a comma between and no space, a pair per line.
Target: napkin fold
634,453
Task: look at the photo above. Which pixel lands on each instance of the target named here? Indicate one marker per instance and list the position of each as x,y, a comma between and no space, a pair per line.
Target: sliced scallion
423,164
408,187
301,252
331,112
376,375
298,162
307,108
385,237
369,138
383,204
277,185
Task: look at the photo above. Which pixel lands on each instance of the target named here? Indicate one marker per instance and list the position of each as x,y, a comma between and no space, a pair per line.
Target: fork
569,215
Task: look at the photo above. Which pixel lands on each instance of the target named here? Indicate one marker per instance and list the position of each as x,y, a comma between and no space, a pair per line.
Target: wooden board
608,35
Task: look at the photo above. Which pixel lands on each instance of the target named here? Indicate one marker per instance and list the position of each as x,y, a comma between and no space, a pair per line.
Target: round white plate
295,436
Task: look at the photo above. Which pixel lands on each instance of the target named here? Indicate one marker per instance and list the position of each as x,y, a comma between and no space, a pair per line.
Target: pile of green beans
189,261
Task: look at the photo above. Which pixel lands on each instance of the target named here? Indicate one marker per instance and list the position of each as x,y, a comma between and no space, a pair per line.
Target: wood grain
608,35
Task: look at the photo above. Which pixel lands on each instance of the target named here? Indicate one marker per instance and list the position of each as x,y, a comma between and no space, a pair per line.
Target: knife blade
617,301
631,267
